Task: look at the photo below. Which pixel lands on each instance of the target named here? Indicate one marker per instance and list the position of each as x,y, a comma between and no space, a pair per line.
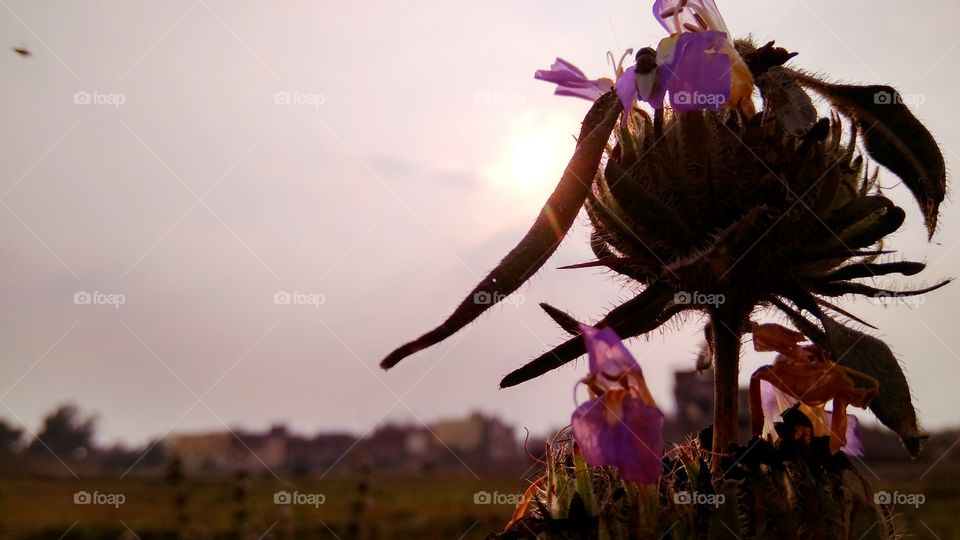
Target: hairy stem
727,322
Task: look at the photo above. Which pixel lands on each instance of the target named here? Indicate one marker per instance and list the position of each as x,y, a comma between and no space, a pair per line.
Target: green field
398,507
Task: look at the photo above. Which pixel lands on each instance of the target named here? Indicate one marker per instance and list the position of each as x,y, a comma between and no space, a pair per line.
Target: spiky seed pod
698,205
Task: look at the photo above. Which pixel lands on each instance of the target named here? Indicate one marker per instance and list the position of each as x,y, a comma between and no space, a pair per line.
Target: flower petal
561,72
742,84
775,402
854,444
571,81
591,90
608,355
630,438
562,65
626,88
699,75
774,337
688,15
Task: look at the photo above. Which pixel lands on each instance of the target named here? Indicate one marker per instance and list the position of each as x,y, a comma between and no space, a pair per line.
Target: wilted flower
808,375
776,402
571,81
620,425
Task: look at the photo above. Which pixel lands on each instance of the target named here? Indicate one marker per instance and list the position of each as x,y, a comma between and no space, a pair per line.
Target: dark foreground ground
396,507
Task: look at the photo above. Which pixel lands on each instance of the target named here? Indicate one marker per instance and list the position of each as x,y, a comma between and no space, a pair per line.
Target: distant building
693,391
477,441
693,394
395,447
319,454
203,452
481,440
229,451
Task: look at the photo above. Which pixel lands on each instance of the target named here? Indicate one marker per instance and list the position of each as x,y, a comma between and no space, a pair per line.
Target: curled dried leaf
893,405
893,136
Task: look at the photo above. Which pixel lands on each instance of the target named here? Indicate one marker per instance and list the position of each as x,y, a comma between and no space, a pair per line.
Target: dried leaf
787,101
865,353
893,137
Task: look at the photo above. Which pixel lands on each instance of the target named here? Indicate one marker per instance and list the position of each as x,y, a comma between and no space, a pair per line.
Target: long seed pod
543,238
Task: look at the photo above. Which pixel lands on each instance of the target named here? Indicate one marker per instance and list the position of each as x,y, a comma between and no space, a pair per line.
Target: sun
533,159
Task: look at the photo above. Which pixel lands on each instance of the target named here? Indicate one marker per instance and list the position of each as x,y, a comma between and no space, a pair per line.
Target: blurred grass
422,507
401,507
939,484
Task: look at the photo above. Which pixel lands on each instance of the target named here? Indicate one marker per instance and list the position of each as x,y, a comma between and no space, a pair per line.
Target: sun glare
533,159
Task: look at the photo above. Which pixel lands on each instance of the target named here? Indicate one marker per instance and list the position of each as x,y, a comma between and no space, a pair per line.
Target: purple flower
854,446
698,63
620,426
688,15
691,66
571,81
775,402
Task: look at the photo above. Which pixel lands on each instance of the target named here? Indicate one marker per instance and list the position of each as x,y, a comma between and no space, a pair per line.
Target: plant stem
727,321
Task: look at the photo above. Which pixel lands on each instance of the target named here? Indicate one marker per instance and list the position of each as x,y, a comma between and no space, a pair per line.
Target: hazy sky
145,152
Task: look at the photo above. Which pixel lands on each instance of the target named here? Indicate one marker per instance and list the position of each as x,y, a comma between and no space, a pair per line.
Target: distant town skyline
226,213
473,444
